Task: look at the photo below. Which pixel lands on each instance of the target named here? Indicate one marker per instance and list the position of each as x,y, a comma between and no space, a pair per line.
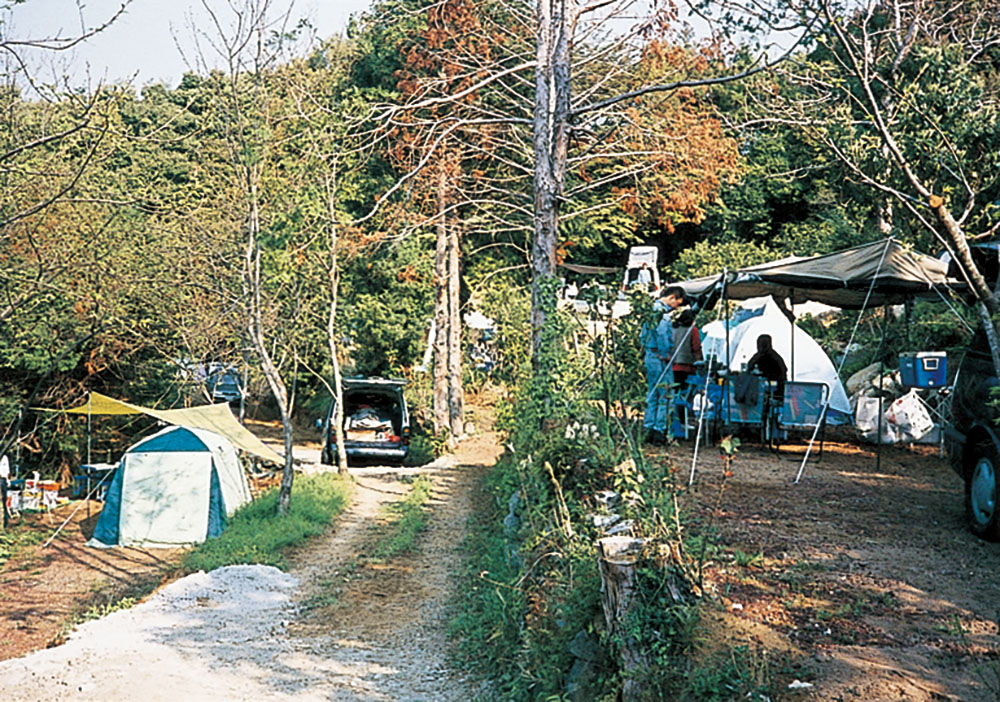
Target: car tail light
406,436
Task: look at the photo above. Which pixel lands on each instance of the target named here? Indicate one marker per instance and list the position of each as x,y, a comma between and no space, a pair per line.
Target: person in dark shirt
769,363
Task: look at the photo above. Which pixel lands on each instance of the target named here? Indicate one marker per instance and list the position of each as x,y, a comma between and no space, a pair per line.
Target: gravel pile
211,635
224,636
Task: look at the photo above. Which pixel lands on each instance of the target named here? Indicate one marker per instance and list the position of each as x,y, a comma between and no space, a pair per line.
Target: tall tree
904,96
581,76
249,39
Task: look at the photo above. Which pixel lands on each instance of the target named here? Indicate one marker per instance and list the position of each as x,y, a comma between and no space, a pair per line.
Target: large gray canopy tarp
882,273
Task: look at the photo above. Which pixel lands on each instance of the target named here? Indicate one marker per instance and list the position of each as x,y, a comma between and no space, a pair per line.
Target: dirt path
335,628
861,580
380,630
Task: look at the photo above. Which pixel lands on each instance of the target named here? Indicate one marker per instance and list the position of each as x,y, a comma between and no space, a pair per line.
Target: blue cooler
924,369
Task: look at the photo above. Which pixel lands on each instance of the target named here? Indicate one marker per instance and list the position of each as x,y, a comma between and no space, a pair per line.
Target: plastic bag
909,416
866,421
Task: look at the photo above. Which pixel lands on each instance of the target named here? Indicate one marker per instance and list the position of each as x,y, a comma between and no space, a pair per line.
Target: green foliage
96,611
711,258
425,446
740,673
256,534
532,584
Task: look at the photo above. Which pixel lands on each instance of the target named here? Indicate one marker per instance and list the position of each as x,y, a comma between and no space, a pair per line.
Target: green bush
256,534
532,585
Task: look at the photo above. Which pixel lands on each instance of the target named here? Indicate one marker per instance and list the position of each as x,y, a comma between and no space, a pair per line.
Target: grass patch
257,535
406,519
13,540
741,672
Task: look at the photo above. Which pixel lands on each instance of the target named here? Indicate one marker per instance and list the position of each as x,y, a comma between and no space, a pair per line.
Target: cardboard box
360,435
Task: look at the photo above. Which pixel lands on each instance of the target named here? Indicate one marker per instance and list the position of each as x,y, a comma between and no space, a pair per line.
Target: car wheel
981,493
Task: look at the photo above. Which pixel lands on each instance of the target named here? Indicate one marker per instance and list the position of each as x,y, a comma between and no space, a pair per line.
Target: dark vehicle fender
978,435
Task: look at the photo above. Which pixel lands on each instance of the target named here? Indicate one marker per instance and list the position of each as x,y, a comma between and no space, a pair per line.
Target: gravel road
249,632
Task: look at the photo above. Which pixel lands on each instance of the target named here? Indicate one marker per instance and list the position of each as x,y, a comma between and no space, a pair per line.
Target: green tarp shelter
881,273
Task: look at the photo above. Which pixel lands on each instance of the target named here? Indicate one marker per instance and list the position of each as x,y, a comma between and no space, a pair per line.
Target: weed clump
534,617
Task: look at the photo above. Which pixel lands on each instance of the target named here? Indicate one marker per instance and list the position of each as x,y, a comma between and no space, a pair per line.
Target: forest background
306,204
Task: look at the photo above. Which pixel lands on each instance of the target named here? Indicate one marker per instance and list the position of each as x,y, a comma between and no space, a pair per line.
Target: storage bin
924,369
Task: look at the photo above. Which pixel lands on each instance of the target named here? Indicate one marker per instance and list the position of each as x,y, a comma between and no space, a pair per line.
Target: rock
514,501
580,681
582,676
608,498
620,528
510,525
585,646
862,379
602,521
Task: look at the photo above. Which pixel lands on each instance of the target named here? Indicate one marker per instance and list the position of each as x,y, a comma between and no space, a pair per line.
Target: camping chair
803,408
684,405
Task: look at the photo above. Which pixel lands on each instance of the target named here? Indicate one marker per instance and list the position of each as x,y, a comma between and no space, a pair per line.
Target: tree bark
551,130
337,418
440,340
256,330
456,395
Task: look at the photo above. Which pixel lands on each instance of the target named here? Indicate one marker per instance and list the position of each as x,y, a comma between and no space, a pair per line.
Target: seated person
769,364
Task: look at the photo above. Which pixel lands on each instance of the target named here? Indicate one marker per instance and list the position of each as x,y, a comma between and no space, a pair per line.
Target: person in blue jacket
658,343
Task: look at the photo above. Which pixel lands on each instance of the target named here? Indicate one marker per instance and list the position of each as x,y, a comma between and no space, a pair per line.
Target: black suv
376,423
973,440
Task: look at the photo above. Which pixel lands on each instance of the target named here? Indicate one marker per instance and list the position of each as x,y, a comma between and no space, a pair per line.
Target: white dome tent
805,359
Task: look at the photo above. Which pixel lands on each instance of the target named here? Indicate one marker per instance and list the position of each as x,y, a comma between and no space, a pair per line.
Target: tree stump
619,558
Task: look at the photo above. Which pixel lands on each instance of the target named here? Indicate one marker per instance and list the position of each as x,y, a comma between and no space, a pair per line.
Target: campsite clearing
861,581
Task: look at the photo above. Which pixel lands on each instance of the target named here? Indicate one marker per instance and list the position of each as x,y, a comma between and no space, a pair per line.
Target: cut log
620,556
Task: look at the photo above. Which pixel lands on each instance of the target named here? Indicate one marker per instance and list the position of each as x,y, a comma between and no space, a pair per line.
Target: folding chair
803,408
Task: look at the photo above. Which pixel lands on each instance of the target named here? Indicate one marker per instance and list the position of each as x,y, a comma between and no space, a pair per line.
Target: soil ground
861,581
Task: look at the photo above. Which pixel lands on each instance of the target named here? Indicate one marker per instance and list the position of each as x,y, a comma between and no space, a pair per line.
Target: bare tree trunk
256,329
456,395
337,419
441,316
551,130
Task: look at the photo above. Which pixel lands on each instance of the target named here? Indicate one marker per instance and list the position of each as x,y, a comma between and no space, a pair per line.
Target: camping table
802,408
90,475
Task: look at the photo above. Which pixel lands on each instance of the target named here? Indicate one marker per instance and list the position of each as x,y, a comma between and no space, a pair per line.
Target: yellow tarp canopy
215,418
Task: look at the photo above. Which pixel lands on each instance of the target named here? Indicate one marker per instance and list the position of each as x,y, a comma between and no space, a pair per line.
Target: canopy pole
908,312
90,400
729,361
701,417
847,352
791,306
17,446
881,379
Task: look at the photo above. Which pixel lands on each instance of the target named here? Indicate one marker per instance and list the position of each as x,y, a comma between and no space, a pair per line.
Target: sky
142,45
